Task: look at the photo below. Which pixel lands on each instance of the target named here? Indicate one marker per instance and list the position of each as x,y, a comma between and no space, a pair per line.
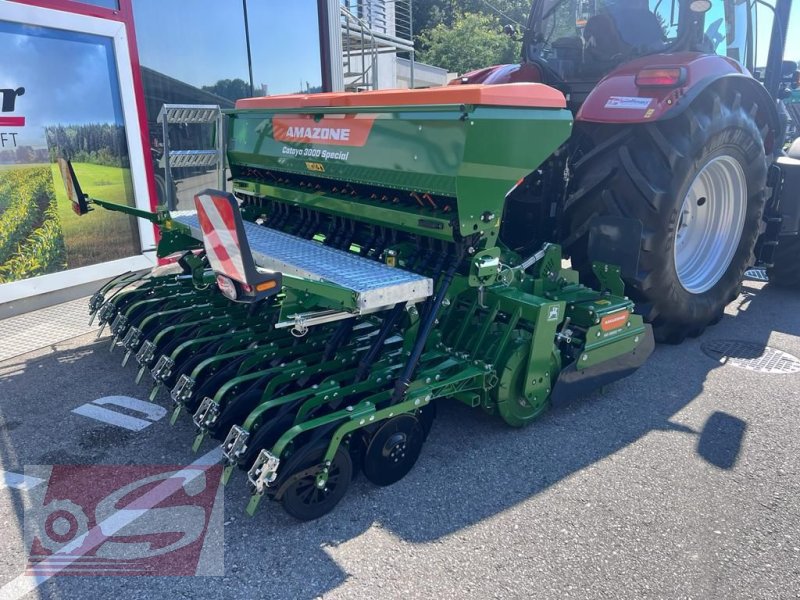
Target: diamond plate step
375,284
188,113
192,158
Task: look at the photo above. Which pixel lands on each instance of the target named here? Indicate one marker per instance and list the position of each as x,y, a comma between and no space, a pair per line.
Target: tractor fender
617,99
511,73
794,150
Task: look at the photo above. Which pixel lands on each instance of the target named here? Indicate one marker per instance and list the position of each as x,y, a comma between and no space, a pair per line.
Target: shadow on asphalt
473,466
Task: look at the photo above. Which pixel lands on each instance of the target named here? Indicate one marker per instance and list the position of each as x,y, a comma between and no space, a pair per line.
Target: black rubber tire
301,499
403,434
785,271
643,172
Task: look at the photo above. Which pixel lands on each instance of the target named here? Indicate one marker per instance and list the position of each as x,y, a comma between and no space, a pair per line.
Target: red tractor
677,147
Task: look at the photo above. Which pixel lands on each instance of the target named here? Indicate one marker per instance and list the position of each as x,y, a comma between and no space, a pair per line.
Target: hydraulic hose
402,383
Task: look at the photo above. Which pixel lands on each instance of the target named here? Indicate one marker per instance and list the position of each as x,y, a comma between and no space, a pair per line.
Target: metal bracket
182,390
264,471
301,322
207,413
235,444
130,342
145,354
132,338
104,315
163,368
95,302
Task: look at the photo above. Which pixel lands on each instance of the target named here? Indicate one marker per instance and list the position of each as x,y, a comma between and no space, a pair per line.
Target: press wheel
393,450
302,498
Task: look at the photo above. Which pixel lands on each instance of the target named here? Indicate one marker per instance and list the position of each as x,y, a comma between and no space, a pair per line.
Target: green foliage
38,251
474,41
101,235
25,193
430,13
95,143
232,89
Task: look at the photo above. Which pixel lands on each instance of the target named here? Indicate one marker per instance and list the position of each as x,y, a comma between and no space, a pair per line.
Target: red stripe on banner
12,121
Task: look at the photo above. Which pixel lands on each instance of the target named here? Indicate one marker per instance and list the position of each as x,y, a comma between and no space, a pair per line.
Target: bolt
585,357
636,339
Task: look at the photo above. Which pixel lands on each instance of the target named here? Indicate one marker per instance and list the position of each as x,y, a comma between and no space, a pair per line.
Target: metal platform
375,284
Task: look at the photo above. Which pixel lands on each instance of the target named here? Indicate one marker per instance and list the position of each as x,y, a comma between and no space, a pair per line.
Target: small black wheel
393,450
303,498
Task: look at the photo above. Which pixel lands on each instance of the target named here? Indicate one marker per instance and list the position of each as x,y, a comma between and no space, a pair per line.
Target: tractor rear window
637,23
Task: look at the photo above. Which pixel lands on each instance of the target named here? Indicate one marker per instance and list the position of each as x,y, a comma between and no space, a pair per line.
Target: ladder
191,114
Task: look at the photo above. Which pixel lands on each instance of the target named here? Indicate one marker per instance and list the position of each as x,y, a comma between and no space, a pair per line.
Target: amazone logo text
319,133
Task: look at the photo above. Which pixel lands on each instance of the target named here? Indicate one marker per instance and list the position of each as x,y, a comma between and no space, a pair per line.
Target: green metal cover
472,153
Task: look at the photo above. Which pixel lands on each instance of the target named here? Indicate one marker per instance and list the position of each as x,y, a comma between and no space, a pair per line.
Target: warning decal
628,102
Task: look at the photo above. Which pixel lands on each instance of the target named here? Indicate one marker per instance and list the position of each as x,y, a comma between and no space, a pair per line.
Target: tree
430,13
232,89
472,42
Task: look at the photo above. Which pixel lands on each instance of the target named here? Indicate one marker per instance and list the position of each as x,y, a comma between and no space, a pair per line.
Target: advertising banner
60,96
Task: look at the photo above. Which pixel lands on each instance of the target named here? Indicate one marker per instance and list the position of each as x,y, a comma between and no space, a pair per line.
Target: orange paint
614,320
344,130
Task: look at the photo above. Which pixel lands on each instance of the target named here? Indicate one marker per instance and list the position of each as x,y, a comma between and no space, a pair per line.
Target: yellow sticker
312,166
649,113
602,302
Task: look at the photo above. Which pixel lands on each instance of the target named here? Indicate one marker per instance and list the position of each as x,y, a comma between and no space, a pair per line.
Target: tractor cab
573,44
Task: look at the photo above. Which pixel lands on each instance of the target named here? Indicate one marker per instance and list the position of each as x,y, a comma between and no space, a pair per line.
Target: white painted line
25,584
153,412
94,410
111,417
17,481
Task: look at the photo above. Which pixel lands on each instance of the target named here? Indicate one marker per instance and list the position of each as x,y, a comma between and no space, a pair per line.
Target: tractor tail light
227,287
661,77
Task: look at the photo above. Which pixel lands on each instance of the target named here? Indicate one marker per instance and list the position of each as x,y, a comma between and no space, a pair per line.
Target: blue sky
67,78
284,38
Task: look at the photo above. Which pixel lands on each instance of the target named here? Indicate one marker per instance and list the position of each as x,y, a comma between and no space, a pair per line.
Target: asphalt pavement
681,481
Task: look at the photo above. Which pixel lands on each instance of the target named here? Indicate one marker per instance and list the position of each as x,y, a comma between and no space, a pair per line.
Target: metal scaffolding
369,29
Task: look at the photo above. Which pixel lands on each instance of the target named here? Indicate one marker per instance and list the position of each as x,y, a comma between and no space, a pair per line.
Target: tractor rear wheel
697,183
785,270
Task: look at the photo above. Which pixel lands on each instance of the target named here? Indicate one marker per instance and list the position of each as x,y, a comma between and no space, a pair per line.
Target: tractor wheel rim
710,224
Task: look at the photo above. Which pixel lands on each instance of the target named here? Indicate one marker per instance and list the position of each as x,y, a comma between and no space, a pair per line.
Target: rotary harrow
310,321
